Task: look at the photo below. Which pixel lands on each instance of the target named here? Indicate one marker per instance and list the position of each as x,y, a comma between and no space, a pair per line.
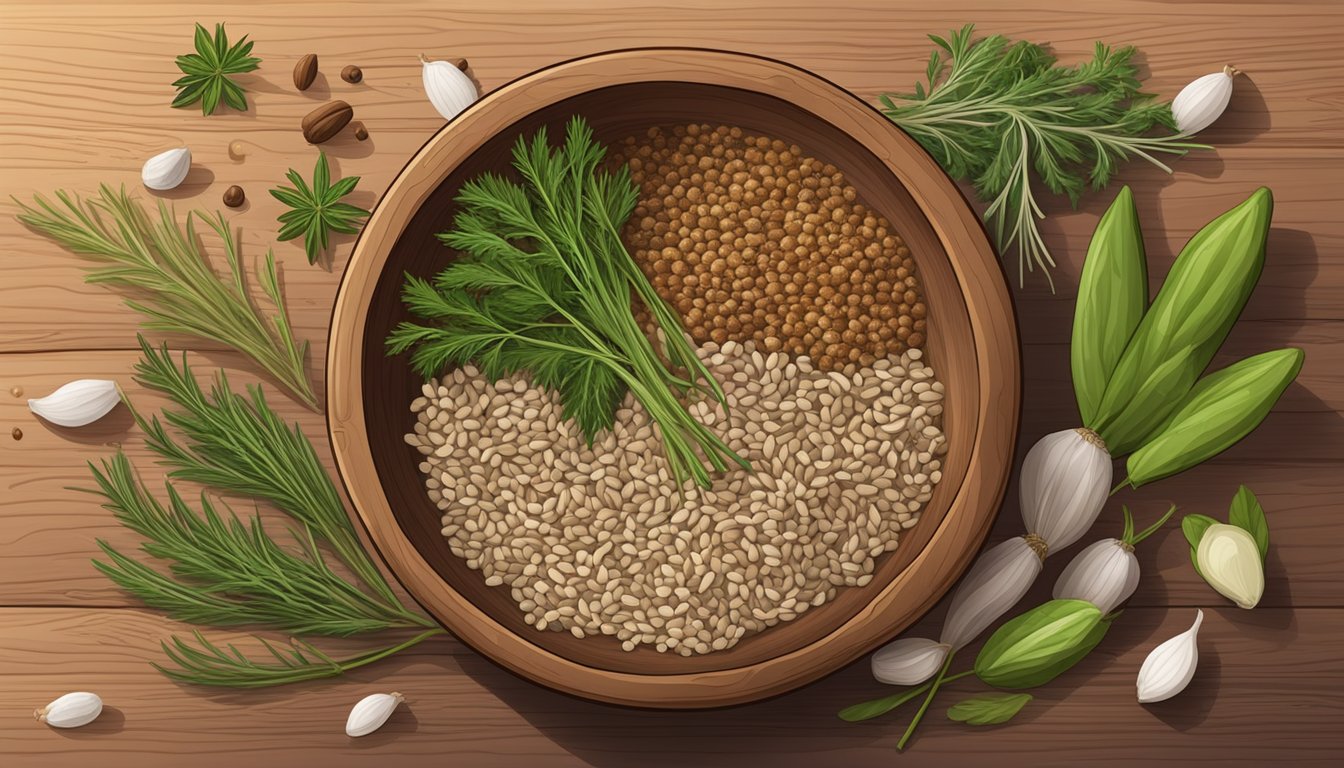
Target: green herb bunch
998,113
227,572
166,271
205,73
316,210
544,285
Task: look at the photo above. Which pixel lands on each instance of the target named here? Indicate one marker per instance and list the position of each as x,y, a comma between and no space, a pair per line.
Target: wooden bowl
972,345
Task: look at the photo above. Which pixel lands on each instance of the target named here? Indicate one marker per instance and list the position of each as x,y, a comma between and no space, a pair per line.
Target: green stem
868,710
933,691
1150,530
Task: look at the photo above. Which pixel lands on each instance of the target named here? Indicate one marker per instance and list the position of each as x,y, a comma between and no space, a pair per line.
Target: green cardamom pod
1112,297
1199,301
1223,408
1039,645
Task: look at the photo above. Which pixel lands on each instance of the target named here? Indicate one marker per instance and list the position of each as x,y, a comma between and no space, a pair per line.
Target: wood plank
51,531
1276,666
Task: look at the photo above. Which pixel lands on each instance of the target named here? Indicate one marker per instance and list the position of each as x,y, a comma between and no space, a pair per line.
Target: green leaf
868,710
1037,646
1199,301
1247,514
1222,409
1112,297
314,209
989,708
210,67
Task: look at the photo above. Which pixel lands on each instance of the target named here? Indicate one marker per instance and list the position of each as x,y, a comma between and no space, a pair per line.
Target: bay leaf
1247,514
988,709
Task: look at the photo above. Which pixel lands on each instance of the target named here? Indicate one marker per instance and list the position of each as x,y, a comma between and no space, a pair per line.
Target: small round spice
237,150
17,434
361,132
16,391
352,74
234,196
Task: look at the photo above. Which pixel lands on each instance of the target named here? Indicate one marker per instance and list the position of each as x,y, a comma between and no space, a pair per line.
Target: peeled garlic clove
78,403
1230,562
166,169
1203,101
1065,480
371,712
908,661
1170,666
1000,578
71,710
1104,574
448,88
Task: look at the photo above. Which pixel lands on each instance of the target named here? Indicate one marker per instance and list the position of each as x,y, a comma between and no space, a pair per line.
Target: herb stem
933,691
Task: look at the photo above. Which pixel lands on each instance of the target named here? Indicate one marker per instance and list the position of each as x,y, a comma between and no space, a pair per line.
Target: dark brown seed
361,132
460,64
17,434
326,121
305,71
234,196
352,74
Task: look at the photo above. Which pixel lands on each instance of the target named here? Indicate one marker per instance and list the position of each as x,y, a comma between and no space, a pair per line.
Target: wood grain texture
85,90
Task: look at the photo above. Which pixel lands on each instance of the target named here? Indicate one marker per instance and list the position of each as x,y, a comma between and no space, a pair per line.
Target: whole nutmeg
326,121
234,196
305,71
352,74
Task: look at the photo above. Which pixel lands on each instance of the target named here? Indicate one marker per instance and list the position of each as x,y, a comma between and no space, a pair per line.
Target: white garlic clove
448,88
167,169
908,661
71,710
371,712
1065,480
1104,574
78,403
1000,578
1202,102
1230,562
1170,666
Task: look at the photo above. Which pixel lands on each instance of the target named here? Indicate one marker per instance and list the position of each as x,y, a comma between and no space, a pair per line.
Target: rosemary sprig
165,268
993,112
315,211
205,73
240,447
225,572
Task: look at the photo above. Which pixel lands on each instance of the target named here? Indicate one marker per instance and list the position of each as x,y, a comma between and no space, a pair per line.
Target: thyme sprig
1003,114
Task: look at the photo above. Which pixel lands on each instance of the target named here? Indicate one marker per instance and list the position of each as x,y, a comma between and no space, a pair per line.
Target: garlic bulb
995,583
1230,562
1203,101
1104,574
78,403
371,712
1065,480
448,88
1170,666
71,710
166,169
908,661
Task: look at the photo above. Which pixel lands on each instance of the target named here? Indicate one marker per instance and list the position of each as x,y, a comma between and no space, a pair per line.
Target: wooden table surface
85,94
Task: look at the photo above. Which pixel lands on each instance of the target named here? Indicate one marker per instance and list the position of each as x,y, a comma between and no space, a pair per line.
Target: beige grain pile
599,541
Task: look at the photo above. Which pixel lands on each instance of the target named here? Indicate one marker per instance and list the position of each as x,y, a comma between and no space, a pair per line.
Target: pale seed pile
598,541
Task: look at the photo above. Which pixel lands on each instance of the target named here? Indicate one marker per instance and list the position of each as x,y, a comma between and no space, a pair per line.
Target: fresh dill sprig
171,282
316,210
205,73
999,112
544,285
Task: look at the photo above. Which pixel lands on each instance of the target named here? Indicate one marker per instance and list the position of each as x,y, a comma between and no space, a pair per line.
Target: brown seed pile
598,541
750,239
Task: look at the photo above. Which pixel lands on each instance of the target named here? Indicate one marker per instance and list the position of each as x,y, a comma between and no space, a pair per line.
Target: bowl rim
948,551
